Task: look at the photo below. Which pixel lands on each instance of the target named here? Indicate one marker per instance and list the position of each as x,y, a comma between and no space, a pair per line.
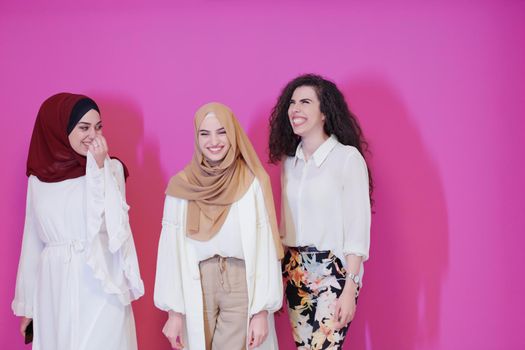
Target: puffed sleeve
268,291
111,250
356,206
169,295
28,265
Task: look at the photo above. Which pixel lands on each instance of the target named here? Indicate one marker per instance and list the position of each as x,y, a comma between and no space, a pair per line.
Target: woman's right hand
99,149
24,322
173,329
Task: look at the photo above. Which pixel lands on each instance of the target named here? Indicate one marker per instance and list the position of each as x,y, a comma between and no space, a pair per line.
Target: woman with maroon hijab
78,269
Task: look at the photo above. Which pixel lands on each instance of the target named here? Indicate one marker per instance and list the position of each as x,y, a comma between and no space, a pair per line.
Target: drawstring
75,246
221,266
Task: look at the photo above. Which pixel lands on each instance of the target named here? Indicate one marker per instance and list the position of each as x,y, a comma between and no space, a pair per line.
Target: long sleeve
32,246
168,295
356,206
268,292
111,249
127,251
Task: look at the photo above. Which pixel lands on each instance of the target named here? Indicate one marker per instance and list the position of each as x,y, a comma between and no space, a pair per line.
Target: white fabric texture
226,242
325,200
177,282
78,269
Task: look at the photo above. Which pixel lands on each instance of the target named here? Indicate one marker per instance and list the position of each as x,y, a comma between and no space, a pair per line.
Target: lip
215,150
298,120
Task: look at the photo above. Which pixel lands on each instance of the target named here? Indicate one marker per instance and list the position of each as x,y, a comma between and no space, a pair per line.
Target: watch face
354,278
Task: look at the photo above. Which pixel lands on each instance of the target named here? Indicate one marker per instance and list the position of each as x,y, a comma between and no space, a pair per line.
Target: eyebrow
205,130
86,123
303,99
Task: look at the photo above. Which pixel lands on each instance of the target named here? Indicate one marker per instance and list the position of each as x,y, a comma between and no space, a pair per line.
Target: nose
214,139
92,133
296,107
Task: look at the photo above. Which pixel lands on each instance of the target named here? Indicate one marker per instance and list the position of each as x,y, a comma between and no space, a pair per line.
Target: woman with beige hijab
218,273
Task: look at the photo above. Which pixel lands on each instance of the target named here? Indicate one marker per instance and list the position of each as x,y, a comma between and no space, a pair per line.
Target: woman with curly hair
325,223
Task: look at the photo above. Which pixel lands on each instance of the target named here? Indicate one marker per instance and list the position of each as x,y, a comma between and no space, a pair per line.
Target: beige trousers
225,301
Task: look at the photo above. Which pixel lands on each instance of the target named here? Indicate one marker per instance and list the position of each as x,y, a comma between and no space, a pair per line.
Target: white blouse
325,200
78,269
226,243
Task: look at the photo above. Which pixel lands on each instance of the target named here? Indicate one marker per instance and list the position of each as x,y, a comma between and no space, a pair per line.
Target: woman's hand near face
174,329
24,322
258,329
99,150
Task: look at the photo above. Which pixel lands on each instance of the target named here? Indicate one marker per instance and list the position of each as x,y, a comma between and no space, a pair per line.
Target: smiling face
85,131
304,112
213,141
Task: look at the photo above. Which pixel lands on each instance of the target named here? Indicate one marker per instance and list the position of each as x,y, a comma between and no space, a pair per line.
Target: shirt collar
320,153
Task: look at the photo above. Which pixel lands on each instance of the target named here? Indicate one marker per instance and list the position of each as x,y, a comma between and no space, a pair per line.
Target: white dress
78,270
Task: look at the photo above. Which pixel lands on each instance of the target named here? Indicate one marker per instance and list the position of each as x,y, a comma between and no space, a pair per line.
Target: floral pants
313,281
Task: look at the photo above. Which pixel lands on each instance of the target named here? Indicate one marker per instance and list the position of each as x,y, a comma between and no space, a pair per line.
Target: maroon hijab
51,157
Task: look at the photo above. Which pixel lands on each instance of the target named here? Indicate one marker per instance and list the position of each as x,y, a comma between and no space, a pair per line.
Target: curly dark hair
339,120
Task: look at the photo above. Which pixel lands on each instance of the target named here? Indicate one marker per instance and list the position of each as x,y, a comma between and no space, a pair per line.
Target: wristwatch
354,278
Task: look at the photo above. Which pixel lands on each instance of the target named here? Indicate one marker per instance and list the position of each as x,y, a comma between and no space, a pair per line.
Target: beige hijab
211,191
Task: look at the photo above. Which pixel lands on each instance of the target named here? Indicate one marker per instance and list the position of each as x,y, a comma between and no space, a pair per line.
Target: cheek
318,117
202,143
75,138
225,142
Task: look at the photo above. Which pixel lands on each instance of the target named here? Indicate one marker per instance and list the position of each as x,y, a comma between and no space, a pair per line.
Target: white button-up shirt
325,200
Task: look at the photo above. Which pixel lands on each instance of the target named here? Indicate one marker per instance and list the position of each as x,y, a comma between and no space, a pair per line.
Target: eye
203,133
83,128
98,127
222,132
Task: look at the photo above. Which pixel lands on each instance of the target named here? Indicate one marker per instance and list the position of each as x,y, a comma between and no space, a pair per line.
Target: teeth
298,120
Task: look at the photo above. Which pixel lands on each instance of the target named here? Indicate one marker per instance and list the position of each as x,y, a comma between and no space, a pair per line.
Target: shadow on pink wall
124,128
400,304
399,307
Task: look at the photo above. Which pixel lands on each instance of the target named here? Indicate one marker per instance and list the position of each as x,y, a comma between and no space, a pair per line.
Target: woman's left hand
345,306
258,329
99,149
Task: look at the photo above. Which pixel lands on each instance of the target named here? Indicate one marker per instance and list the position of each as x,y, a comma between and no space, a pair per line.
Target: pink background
439,89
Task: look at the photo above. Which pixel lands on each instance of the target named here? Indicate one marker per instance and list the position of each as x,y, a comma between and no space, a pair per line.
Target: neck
311,143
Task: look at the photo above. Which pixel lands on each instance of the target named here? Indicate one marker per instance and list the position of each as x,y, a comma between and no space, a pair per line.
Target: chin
298,132
82,151
215,158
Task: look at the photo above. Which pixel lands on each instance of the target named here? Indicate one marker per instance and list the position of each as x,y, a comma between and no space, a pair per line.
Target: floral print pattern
313,281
